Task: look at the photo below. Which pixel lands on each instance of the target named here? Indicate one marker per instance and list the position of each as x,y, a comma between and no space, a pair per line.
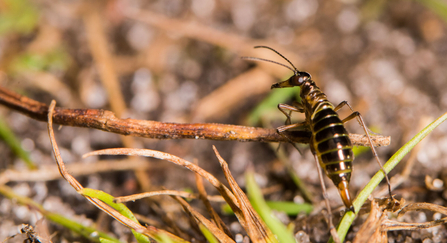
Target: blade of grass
87,232
208,235
11,140
437,6
18,16
255,227
292,173
349,216
257,200
202,221
121,208
163,238
290,208
269,104
204,198
102,240
148,231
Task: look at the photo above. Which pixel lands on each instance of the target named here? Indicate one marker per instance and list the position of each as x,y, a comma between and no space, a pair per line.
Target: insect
31,234
329,143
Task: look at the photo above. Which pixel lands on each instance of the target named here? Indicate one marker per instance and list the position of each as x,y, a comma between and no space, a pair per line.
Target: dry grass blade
204,197
223,190
153,233
152,194
50,172
164,192
255,227
99,47
423,206
200,219
390,225
234,91
371,228
191,29
240,205
163,156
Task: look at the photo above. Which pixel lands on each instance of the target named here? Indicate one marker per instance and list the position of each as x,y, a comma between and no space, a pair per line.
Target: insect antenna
266,60
266,47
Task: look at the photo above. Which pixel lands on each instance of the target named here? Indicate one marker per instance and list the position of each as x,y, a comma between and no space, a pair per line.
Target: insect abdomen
332,145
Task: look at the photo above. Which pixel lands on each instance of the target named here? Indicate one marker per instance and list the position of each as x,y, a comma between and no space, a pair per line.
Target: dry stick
106,121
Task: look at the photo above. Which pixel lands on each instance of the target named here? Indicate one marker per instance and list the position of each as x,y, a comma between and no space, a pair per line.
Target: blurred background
180,61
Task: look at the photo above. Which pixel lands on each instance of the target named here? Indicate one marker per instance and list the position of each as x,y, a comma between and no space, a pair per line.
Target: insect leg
326,199
284,128
288,125
343,103
359,117
290,108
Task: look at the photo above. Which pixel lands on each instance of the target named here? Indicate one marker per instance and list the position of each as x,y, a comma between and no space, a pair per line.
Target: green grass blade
120,207
292,173
208,235
11,140
348,218
257,200
18,16
270,104
102,240
290,208
88,232
437,6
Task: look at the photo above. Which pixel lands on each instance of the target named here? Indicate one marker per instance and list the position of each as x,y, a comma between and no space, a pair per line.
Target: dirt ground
179,61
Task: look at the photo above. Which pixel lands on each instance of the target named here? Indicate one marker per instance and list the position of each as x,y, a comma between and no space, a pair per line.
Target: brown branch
106,121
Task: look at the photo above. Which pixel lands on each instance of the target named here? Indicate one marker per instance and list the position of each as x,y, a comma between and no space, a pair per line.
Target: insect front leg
356,114
284,128
283,108
296,108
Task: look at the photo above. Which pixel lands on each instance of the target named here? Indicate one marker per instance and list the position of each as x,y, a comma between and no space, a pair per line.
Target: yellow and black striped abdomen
331,144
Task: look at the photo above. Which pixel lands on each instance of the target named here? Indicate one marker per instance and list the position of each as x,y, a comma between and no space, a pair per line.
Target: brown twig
107,121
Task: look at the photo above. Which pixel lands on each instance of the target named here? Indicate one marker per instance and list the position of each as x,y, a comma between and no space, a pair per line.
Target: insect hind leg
345,103
356,114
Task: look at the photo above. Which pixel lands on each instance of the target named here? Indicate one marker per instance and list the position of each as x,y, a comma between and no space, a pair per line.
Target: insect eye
302,77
